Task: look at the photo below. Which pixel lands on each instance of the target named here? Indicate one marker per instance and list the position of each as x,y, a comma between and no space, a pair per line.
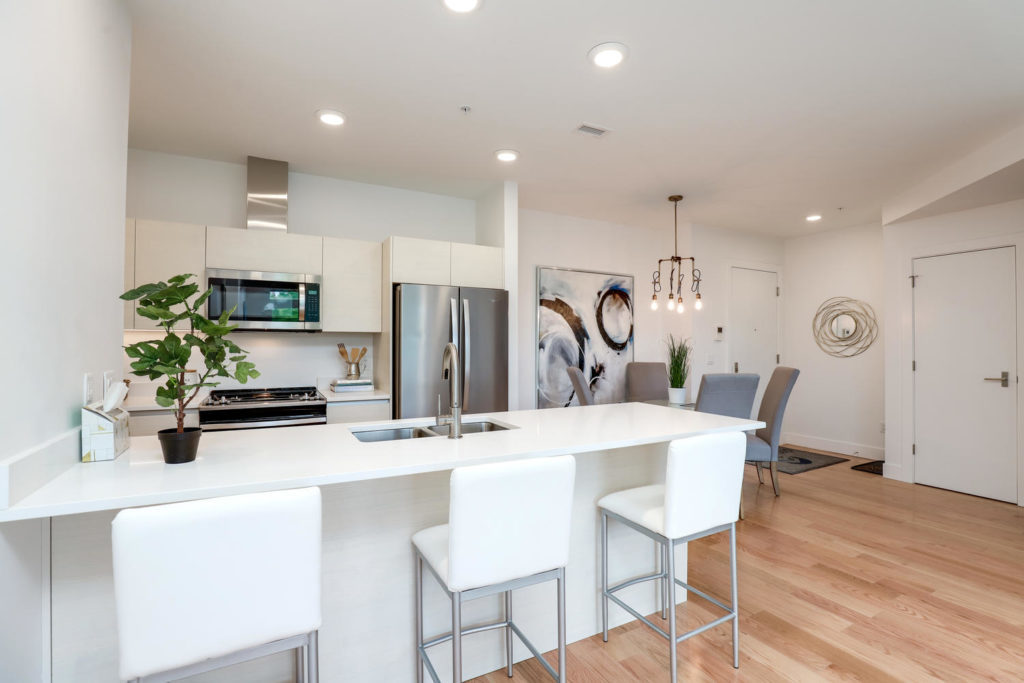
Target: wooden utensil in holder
352,359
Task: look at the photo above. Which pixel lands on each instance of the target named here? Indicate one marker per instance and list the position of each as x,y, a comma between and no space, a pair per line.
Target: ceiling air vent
588,129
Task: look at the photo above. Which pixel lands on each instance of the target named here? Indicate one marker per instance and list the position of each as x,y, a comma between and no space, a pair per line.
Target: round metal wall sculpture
844,327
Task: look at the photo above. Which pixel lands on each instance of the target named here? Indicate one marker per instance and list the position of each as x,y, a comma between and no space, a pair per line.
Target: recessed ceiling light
462,6
607,55
330,117
813,218
507,155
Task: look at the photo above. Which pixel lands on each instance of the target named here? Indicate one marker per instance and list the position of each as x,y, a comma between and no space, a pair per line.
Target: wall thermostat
719,332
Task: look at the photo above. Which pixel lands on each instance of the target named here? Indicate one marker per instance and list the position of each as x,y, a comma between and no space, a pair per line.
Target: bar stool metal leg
508,632
561,625
419,618
664,581
735,597
457,637
300,664
313,658
673,645
604,576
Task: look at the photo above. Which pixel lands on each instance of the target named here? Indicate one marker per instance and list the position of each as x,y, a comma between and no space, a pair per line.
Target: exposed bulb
671,303
698,304
654,302
679,308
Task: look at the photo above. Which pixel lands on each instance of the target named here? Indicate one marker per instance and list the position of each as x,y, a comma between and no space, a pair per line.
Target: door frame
904,469
750,265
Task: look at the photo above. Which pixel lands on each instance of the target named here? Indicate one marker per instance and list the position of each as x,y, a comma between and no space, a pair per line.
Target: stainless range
259,408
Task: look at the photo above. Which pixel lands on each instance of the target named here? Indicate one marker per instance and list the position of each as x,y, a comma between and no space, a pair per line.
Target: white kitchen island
376,495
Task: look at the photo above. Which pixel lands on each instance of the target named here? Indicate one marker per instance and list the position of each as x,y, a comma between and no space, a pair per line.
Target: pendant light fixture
675,279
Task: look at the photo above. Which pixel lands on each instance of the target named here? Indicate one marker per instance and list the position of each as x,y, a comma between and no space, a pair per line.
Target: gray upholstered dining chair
580,386
646,382
763,445
727,394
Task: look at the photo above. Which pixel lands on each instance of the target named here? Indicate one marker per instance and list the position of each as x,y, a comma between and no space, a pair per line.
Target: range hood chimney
266,186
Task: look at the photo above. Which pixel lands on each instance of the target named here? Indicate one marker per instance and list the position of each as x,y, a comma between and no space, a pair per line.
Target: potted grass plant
169,303
678,369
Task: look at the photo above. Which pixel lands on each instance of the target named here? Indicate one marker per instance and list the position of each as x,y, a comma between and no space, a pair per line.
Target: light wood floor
846,576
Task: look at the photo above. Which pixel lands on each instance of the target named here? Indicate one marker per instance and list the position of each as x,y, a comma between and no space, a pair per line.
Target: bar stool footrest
444,638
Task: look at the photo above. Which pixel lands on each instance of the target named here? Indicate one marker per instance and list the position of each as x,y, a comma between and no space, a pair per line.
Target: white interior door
965,334
754,319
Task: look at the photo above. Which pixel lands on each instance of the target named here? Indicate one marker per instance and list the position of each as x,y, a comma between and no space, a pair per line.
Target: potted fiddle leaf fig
170,303
678,369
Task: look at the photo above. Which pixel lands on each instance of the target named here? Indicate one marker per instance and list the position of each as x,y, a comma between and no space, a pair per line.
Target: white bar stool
508,527
210,583
701,496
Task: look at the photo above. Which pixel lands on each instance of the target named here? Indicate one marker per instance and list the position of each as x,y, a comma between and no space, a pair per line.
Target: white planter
677,396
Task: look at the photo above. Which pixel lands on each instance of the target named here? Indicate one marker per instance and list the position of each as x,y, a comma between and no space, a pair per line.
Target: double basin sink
401,433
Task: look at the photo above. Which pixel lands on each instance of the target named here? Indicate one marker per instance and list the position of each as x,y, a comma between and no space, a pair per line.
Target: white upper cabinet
264,250
163,250
432,262
423,262
351,299
474,265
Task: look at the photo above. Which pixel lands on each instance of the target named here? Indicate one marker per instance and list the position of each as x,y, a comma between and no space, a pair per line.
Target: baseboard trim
23,473
844,447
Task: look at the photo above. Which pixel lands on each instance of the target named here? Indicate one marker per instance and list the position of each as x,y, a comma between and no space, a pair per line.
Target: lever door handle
1003,379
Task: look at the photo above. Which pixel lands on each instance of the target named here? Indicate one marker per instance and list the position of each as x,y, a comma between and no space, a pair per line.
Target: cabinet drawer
358,411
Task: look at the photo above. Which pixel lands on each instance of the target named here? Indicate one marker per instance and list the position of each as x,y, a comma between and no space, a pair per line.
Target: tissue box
104,435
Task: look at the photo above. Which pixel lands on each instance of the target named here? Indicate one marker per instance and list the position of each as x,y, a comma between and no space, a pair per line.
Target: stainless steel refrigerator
426,318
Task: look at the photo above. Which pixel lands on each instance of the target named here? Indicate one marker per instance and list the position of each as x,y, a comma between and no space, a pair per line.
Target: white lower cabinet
149,422
358,411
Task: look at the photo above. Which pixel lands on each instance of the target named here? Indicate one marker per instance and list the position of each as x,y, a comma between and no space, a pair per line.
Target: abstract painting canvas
584,320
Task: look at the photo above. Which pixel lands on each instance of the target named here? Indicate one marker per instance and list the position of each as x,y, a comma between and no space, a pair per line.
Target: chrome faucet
450,372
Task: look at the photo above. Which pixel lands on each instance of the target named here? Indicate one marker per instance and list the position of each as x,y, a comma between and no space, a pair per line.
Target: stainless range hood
266,201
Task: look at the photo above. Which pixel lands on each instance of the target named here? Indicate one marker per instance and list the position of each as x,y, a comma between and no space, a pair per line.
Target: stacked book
342,385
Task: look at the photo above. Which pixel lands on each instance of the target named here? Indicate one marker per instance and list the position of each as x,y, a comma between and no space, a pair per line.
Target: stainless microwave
265,301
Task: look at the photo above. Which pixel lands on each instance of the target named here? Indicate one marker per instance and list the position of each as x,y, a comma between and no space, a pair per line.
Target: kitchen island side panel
367,632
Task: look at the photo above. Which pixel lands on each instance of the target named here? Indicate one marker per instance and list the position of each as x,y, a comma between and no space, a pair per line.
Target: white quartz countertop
235,462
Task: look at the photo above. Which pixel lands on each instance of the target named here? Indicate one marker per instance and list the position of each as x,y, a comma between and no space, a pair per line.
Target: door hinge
913,366
913,281
776,291
777,359
913,449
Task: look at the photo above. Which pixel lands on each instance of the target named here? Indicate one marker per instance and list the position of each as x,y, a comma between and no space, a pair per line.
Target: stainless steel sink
393,434
469,428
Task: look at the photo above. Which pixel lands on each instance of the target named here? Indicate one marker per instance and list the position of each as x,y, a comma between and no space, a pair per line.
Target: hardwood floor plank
846,576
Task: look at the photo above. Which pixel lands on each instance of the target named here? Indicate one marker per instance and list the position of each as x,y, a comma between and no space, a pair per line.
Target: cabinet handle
736,367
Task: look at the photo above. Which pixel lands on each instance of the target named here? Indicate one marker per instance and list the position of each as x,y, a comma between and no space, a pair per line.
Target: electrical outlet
882,430
710,360
108,381
87,388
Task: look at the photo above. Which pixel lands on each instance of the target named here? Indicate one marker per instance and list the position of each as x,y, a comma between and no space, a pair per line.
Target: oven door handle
256,424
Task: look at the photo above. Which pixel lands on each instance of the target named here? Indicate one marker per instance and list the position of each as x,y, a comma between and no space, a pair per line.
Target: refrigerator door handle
466,346
455,321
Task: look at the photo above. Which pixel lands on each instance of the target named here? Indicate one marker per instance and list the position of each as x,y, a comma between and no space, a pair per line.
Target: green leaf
168,369
179,279
197,304
147,312
133,351
165,402
142,291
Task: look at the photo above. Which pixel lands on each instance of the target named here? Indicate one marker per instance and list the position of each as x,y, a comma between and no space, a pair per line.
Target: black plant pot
179,447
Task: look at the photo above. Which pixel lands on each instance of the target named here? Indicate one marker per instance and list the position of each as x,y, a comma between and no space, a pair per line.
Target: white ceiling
759,112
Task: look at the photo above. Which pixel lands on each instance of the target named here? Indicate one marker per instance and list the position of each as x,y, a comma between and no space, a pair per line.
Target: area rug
872,466
792,461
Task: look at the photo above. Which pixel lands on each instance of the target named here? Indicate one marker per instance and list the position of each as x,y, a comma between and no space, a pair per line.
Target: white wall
717,250
997,225
64,66
189,190
839,405
547,239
